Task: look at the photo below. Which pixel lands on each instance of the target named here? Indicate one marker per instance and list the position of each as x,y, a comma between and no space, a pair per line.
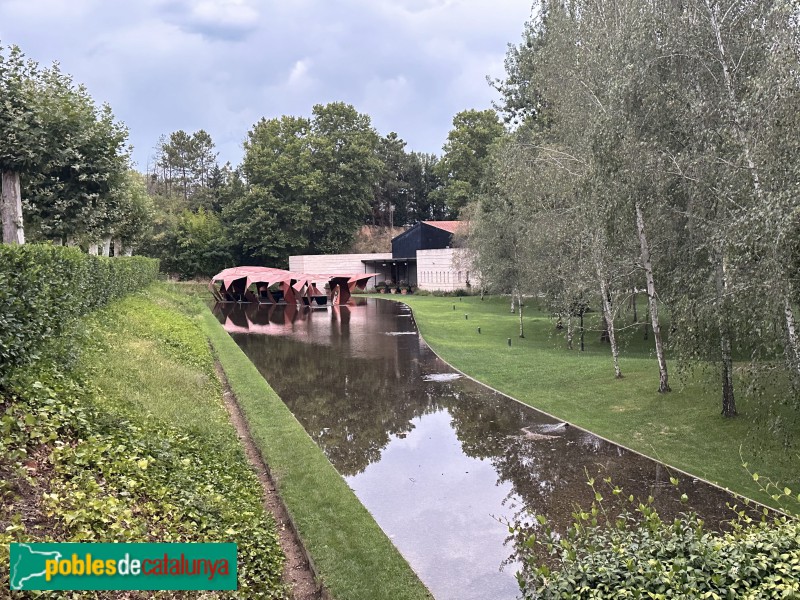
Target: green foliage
634,554
85,460
69,152
132,216
201,248
463,167
43,289
311,181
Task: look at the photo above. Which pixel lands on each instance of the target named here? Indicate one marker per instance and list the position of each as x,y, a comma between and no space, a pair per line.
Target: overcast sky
220,65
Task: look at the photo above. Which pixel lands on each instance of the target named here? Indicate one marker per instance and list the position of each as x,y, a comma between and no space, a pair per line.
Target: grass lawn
683,428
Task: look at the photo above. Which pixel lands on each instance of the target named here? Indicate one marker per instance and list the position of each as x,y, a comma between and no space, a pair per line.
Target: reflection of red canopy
285,279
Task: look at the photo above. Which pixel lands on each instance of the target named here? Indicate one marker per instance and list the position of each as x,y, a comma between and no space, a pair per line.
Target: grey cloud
226,20
221,65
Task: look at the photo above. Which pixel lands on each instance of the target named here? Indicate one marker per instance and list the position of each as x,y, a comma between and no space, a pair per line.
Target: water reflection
437,459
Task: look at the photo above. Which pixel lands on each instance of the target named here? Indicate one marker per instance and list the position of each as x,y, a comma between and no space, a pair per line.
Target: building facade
422,255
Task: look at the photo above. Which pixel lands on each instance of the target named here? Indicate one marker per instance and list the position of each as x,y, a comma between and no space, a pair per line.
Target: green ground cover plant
682,428
354,557
129,441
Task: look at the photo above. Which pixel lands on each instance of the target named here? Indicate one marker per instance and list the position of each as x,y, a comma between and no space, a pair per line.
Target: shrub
44,288
637,555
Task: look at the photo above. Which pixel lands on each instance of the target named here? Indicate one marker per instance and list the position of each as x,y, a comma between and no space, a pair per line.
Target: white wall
331,264
440,270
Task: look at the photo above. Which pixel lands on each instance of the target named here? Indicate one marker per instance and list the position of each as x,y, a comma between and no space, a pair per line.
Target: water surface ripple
438,459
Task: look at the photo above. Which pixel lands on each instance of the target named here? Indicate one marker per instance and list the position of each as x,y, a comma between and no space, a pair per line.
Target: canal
441,461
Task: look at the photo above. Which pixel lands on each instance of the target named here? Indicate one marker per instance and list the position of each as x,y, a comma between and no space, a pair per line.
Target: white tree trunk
118,250
71,242
512,302
94,249
107,246
11,209
570,332
728,398
128,251
651,300
608,313
520,306
713,12
58,242
791,330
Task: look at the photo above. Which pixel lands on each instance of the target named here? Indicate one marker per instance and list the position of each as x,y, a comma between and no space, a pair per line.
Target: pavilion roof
269,275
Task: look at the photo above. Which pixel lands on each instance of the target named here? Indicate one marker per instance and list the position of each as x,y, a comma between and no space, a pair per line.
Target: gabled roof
448,226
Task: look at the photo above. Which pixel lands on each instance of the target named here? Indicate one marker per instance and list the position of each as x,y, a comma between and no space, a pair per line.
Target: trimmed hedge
44,288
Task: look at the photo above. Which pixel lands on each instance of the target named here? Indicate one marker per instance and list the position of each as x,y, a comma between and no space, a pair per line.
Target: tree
390,202
134,211
311,183
201,248
344,156
425,202
64,152
463,167
187,160
70,197
22,92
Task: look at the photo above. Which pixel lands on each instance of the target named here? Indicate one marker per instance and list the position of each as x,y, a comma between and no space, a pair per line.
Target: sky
221,65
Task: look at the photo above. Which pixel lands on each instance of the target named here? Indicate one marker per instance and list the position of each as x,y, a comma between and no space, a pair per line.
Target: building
423,255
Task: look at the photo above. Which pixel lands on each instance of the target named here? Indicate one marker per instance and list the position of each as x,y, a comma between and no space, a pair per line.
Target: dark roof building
425,235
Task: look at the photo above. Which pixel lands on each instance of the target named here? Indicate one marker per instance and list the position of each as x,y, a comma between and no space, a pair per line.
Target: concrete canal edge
349,553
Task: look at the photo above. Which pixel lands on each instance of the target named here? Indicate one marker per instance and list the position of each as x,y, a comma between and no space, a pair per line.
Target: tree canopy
62,158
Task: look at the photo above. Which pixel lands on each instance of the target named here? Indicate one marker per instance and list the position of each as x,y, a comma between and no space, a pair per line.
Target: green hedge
43,289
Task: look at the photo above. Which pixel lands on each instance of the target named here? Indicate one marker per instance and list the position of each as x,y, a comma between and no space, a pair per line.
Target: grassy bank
130,442
354,557
683,428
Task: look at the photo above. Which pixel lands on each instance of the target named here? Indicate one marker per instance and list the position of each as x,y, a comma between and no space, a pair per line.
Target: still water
439,460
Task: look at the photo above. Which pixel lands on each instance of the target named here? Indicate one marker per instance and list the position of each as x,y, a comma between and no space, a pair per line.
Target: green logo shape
81,566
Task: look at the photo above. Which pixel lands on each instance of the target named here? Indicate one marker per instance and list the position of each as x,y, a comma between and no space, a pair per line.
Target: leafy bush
637,555
43,289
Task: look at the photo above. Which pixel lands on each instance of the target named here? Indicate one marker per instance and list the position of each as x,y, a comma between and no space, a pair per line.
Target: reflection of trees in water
352,393
350,406
549,474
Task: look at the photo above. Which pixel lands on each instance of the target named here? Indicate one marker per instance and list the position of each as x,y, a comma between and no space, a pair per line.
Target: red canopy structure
235,284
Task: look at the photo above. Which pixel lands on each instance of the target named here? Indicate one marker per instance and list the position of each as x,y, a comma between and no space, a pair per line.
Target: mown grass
353,555
683,428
